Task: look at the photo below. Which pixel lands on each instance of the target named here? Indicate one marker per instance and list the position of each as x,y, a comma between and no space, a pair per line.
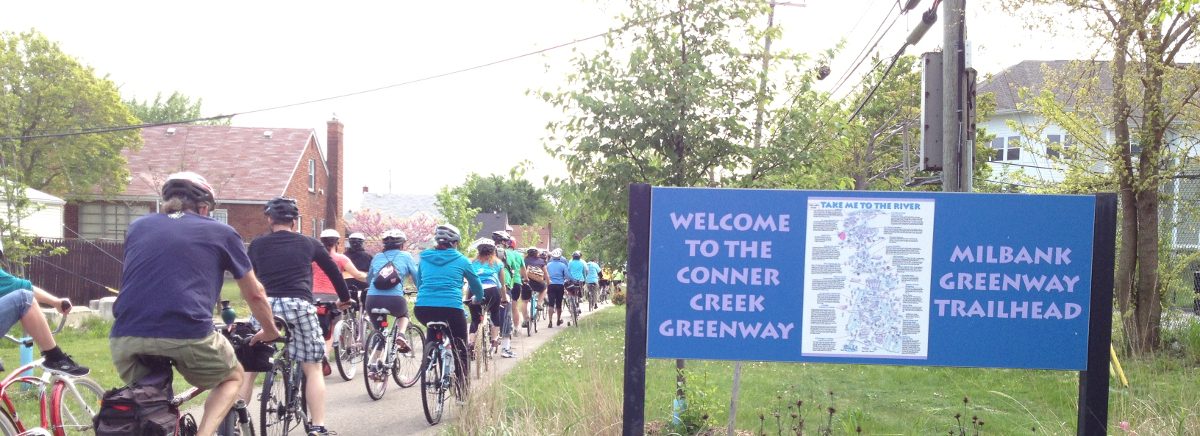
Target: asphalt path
349,411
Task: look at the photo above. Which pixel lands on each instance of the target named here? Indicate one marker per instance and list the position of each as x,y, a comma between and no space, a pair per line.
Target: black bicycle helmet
188,184
446,234
282,209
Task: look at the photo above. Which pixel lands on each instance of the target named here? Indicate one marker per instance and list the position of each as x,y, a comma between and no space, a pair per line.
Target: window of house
312,175
1054,145
316,230
221,215
300,224
1006,148
108,221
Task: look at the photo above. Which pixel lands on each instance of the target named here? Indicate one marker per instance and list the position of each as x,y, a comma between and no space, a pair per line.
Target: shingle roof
1033,75
242,163
491,222
400,205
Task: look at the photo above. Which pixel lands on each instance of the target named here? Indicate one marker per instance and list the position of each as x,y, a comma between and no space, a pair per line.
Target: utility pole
958,159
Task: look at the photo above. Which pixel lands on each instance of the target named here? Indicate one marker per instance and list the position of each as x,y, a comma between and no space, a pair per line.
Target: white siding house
45,218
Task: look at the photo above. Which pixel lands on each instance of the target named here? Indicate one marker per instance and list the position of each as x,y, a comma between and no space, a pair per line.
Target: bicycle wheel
274,418
530,325
7,426
72,410
237,422
574,310
374,368
347,352
459,384
406,370
433,391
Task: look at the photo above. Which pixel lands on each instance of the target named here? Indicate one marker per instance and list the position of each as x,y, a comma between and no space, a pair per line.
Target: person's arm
256,298
472,280
46,298
354,272
323,260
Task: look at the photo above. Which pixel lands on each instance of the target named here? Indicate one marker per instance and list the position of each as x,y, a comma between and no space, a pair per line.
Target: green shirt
9,283
516,261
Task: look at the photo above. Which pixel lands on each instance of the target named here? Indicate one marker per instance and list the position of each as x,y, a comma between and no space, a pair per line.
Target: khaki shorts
204,362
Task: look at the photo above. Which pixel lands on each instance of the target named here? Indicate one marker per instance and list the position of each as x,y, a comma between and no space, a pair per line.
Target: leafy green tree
458,211
513,195
45,93
1150,103
176,107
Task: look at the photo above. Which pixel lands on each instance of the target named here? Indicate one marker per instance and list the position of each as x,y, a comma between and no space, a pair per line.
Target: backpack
535,274
137,410
388,277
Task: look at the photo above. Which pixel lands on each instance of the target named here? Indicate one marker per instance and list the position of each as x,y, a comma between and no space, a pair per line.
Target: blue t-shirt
593,273
576,270
440,278
558,271
405,266
174,268
489,273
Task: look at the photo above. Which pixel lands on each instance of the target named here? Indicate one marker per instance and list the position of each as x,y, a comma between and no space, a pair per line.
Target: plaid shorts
306,344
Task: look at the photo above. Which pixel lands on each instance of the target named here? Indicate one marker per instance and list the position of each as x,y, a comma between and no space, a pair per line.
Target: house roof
39,197
241,163
491,222
1033,75
523,234
400,205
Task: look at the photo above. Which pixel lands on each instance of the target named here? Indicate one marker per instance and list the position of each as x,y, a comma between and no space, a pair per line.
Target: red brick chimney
336,152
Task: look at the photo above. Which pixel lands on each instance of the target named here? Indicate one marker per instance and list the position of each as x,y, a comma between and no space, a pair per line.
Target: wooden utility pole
958,158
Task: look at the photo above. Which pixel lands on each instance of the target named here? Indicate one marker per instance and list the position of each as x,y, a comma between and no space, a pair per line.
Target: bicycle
532,322
382,356
283,405
348,334
572,299
237,420
439,374
591,296
66,404
483,347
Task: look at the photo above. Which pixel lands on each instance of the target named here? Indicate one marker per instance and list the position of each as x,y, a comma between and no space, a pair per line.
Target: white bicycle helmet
330,233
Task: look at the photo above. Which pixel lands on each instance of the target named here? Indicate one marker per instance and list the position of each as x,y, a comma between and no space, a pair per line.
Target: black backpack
138,410
388,277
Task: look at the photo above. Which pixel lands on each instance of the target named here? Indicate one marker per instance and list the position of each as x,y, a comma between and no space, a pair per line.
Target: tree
1151,100
372,223
176,107
45,95
513,195
457,211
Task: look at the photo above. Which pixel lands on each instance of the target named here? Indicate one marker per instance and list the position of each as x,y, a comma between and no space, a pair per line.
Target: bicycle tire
459,385
273,416
8,427
433,392
574,311
530,325
346,350
375,374
232,425
73,415
228,425
406,371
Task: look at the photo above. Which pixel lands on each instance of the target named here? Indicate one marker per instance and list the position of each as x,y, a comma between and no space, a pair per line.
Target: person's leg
315,390
220,400
208,363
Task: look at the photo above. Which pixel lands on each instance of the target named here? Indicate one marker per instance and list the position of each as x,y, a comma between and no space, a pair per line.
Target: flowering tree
372,223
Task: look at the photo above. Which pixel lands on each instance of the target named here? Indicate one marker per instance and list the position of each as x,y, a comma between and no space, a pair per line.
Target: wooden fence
85,273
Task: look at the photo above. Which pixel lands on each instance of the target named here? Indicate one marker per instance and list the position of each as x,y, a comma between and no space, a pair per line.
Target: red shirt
321,283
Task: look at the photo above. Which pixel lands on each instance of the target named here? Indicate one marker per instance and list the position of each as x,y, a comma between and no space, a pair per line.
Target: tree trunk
1127,258
1149,304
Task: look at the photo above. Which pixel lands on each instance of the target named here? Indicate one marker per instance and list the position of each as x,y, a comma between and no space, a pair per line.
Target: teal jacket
9,283
440,278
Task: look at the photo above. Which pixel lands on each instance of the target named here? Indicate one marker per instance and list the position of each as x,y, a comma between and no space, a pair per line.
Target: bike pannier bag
137,410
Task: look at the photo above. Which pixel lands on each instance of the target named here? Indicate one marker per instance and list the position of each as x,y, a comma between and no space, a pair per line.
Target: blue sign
901,278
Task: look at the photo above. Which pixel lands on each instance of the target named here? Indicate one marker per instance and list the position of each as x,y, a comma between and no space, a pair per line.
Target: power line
110,129
863,54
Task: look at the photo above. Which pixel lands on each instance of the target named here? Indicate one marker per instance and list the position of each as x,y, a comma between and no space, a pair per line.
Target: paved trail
351,412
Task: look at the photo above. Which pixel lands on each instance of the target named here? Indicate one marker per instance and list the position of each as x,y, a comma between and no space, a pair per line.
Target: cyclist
605,281
440,275
576,273
283,260
515,264
361,259
392,298
537,277
592,278
18,302
323,290
618,279
491,274
175,262
556,270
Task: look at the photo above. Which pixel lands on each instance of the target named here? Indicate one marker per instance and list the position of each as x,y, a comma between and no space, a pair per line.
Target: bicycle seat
381,311
437,325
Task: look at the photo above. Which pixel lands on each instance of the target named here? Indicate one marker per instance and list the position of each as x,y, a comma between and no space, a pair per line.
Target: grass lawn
880,399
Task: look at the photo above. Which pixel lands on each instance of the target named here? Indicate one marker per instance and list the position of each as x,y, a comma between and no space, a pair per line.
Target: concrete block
78,316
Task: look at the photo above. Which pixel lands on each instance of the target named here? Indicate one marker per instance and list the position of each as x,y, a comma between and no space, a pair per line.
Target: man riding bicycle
361,259
283,260
557,270
175,262
440,289
576,274
592,279
514,263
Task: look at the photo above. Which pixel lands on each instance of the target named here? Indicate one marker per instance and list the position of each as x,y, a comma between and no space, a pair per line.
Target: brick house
246,166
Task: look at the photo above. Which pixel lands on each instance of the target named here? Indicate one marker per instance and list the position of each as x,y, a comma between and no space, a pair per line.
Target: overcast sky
245,55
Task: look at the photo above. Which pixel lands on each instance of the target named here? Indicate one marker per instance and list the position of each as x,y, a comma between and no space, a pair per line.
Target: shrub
618,298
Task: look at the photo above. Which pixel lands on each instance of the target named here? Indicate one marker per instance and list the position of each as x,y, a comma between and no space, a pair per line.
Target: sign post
894,278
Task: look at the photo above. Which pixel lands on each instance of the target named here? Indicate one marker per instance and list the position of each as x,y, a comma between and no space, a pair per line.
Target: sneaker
325,368
524,324
507,353
402,345
320,430
66,366
560,321
550,324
